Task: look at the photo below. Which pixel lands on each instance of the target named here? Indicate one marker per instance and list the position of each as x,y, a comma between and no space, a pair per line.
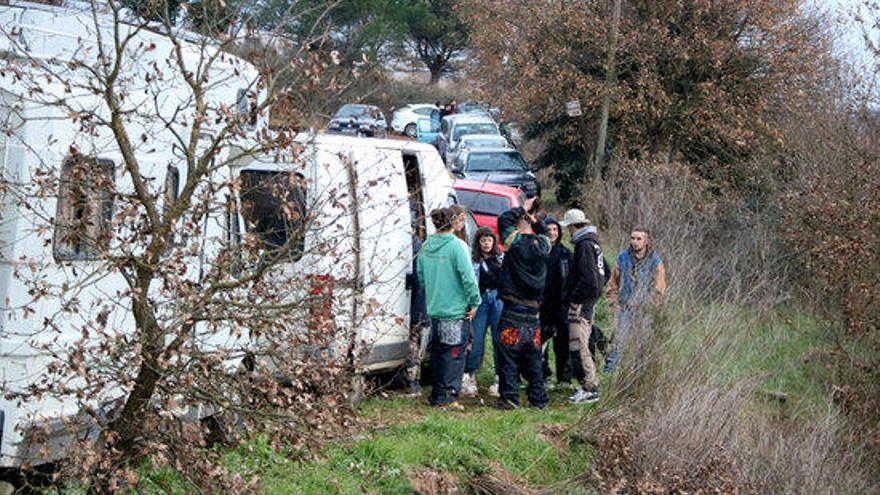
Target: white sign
573,108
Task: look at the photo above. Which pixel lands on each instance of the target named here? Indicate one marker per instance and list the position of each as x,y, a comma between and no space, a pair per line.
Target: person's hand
469,314
528,204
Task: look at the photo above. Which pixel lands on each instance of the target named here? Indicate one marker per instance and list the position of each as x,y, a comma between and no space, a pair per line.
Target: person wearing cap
521,287
638,281
584,290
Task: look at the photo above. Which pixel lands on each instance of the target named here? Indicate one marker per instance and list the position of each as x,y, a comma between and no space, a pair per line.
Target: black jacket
589,270
524,269
490,273
553,307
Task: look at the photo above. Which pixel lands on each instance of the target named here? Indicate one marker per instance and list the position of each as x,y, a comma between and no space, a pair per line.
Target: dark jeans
519,352
448,343
488,315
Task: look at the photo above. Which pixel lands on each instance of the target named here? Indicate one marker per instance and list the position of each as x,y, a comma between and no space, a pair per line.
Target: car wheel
410,130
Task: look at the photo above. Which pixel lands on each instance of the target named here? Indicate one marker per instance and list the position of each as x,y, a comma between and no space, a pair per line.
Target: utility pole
610,83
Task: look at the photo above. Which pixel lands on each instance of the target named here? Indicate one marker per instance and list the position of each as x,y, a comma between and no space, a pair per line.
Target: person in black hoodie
521,288
554,321
584,290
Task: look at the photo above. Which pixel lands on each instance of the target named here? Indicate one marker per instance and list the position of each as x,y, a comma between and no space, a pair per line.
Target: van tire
358,390
410,130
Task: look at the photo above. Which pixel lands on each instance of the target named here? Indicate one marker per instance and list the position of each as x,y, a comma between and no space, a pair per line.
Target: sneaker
549,385
506,405
468,385
493,390
584,396
578,395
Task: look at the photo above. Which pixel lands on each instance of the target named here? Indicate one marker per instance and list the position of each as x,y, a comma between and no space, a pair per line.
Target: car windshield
353,111
483,143
483,203
495,161
466,129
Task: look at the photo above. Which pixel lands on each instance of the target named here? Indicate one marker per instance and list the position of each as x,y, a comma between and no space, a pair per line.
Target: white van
35,134
367,202
369,197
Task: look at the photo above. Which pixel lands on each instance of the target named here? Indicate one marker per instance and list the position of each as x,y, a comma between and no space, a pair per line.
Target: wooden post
610,82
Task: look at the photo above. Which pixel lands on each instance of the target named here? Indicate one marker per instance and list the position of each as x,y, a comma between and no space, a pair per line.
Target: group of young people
533,291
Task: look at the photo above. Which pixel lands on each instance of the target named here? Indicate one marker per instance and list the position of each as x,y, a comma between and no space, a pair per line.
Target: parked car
487,201
504,166
453,127
476,107
363,120
405,119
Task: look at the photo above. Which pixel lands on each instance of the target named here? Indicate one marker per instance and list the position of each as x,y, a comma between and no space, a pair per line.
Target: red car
487,201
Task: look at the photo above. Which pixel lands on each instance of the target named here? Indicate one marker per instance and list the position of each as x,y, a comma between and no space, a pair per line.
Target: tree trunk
126,427
610,82
436,73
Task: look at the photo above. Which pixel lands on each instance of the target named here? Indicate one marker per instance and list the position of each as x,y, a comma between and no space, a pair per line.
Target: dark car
503,166
365,120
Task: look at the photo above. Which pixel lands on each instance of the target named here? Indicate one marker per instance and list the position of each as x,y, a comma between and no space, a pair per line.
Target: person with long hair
452,298
487,258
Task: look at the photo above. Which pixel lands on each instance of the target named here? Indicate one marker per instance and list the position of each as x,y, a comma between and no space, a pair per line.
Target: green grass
463,443
406,435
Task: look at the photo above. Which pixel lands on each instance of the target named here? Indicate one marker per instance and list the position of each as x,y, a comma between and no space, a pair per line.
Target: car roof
493,149
358,105
486,187
470,118
474,137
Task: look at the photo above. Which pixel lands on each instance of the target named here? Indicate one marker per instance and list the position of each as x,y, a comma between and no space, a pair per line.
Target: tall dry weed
684,411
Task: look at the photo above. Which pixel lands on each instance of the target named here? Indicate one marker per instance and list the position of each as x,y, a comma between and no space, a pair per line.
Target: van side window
273,205
84,209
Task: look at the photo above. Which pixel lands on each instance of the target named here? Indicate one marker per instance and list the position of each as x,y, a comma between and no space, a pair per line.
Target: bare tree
151,221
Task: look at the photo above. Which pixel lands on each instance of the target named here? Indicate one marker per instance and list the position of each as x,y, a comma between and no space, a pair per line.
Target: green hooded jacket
444,268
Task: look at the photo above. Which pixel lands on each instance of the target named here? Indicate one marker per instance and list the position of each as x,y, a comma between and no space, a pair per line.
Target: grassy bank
403,445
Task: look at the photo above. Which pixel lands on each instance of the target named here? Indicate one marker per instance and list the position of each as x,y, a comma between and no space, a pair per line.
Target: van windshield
273,204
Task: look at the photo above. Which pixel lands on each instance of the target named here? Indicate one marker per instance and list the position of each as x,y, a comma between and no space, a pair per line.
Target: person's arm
613,288
507,226
466,272
659,284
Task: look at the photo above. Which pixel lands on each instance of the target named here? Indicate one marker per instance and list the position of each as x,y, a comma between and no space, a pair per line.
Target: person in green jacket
452,296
